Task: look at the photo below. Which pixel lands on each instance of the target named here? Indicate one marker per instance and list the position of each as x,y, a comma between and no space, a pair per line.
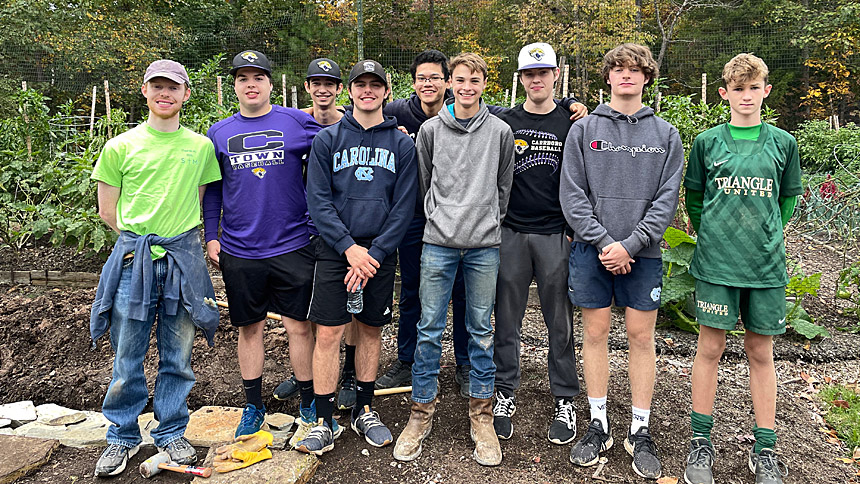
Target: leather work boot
487,449
408,446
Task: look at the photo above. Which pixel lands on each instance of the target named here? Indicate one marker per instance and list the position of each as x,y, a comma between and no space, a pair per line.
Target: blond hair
631,55
473,61
744,68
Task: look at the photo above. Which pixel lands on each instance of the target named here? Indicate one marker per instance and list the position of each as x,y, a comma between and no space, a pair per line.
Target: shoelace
370,420
113,450
702,455
179,445
564,412
644,440
504,405
248,418
318,432
772,465
592,435
348,383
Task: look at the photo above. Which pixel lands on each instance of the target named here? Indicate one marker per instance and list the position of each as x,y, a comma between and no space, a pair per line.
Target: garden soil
46,356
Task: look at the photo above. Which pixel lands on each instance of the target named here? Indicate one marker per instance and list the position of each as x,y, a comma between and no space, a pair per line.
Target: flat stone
212,425
70,419
280,421
90,432
19,413
285,467
147,424
51,411
5,422
22,455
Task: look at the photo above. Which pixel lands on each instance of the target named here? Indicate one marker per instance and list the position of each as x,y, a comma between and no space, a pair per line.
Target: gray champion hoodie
620,179
465,176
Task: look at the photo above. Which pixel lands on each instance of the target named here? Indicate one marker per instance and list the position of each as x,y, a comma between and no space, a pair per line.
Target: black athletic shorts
328,305
282,284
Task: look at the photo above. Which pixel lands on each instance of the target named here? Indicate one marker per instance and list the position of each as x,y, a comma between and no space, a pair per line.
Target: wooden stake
659,98
704,87
514,90
283,89
390,87
107,105
93,111
601,96
562,63
295,97
27,121
507,94
566,80
218,90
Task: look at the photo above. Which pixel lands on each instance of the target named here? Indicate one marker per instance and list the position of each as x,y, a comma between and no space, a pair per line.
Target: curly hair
631,55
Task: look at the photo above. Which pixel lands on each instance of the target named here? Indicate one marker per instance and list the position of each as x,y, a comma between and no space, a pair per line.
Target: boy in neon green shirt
742,183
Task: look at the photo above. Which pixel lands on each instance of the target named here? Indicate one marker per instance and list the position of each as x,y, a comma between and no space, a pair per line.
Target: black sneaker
767,467
114,459
700,462
286,389
503,409
400,374
461,376
562,429
346,395
181,452
644,452
587,451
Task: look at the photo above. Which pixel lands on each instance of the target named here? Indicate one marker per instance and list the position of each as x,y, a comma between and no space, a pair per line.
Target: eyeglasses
431,79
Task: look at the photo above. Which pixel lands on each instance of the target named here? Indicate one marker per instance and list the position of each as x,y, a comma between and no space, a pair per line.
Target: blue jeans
127,394
409,254
438,269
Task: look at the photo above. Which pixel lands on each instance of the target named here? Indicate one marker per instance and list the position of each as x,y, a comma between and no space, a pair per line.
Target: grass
843,412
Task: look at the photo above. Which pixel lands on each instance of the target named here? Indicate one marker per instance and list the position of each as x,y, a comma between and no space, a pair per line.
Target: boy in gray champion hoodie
619,190
466,163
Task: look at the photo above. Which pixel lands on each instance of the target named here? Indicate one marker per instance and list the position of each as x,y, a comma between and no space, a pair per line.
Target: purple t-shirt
262,192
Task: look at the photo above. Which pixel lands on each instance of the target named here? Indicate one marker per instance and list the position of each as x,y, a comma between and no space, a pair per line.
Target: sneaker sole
320,452
688,481
360,433
131,453
608,445
629,448
561,442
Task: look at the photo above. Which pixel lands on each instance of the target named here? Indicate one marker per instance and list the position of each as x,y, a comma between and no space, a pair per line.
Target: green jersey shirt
740,240
158,175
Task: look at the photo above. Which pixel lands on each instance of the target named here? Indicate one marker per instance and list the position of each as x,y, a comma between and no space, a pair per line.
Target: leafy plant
678,285
798,287
848,288
843,412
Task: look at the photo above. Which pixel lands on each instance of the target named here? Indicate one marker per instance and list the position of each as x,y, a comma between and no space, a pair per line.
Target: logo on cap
369,67
249,56
537,53
324,65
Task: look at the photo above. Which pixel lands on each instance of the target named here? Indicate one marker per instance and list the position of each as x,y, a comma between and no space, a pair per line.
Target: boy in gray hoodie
621,173
466,163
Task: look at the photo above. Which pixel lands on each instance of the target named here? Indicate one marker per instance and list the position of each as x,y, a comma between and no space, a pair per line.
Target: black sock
349,360
325,407
254,391
363,395
306,390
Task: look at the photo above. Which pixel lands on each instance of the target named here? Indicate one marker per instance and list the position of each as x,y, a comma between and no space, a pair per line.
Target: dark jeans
410,303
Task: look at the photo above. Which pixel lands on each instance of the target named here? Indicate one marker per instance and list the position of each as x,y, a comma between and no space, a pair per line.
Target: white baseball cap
537,55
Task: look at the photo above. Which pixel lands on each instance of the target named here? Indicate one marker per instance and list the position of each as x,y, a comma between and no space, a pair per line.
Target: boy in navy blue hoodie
362,182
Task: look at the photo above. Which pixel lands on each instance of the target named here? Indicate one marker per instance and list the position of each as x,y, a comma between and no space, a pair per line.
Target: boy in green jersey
742,183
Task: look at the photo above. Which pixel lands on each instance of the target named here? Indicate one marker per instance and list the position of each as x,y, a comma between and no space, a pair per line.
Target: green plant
848,289
843,412
798,287
678,285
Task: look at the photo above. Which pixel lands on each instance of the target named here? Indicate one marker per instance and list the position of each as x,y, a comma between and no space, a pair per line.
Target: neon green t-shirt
740,240
158,175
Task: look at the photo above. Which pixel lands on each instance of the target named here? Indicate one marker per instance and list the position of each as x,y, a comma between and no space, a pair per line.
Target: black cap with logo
251,58
368,66
323,67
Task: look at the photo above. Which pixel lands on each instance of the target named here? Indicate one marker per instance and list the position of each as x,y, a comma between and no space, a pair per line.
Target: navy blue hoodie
362,184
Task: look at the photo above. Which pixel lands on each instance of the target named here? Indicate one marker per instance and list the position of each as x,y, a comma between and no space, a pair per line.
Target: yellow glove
239,459
251,443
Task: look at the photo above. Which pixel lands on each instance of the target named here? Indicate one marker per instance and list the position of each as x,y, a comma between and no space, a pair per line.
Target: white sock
640,419
598,411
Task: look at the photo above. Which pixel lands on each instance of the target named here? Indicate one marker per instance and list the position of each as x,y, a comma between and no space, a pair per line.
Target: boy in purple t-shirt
266,249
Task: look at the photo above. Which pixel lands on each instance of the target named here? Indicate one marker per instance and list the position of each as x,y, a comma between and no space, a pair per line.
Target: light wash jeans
127,394
438,268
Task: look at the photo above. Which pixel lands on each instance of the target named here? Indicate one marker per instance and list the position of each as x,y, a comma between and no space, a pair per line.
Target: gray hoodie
620,179
465,176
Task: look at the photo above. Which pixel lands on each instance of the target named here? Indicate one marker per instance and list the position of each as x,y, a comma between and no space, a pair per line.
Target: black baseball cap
251,58
368,66
323,67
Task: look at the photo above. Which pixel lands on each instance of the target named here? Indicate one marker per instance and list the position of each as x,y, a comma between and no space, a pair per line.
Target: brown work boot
487,449
408,446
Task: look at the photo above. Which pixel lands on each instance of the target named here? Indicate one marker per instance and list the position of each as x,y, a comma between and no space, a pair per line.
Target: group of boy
303,208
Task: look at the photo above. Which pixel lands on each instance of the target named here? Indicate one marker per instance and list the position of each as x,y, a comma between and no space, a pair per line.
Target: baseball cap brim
323,75
235,69
538,65
167,75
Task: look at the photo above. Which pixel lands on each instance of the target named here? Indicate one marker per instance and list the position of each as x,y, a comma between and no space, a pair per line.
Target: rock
22,455
19,413
147,424
90,432
210,425
5,422
70,419
280,421
51,411
285,467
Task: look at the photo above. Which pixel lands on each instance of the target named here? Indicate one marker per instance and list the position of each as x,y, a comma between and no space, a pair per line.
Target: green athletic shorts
762,310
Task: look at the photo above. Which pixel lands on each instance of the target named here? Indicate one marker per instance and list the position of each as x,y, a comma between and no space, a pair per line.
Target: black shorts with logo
282,284
328,304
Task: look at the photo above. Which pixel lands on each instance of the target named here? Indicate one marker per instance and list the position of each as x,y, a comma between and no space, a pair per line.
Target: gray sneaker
400,374
367,422
562,429
587,451
320,438
114,459
461,377
641,447
346,395
181,452
287,389
767,467
700,462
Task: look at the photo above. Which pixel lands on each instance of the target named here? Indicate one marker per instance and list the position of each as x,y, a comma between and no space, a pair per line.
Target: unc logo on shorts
655,294
364,174
520,146
249,56
324,65
537,53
